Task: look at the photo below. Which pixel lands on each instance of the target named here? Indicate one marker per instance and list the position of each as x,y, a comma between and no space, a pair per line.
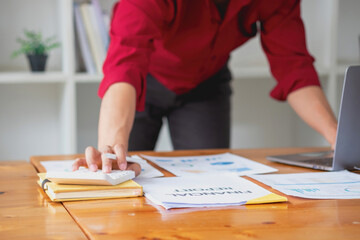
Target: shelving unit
14,77
56,112
87,78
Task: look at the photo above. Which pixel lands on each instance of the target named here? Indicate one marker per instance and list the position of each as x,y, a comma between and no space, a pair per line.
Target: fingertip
123,166
135,167
121,156
93,167
106,169
75,165
106,162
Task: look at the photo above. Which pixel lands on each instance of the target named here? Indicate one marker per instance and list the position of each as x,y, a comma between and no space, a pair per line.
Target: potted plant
36,49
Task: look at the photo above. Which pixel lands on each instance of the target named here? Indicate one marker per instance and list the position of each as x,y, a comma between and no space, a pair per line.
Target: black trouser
199,119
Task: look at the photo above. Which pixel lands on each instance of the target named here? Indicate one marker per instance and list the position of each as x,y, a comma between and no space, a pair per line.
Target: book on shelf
92,33
71,192
97,50
107,21
100,21
83,41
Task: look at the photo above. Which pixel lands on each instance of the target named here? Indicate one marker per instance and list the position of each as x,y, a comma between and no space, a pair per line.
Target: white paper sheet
147,171
323,185
58,165
201,191
219,163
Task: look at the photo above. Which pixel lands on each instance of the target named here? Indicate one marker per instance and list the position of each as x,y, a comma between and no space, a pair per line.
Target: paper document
323,185
147,171
58,165
205,191
219,163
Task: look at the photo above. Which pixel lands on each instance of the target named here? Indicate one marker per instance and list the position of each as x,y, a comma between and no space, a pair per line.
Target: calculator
84,176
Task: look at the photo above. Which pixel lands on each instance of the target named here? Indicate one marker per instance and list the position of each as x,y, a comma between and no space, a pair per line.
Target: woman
168,58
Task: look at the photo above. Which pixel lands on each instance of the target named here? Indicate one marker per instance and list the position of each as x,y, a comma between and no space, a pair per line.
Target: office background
56,112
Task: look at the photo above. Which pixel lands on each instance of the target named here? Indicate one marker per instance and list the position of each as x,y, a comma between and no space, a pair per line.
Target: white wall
348,45
29,117
31,113
36,15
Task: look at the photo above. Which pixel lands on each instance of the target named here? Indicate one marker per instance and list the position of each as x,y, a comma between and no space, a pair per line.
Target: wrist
330,134
111,139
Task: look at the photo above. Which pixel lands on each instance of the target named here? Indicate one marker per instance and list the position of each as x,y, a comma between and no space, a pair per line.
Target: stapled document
205,191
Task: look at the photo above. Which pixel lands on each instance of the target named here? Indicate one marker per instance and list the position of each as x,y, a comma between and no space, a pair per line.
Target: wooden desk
137,218
26,212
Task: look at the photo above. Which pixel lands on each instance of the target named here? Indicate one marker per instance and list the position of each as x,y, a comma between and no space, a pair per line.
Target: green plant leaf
34,44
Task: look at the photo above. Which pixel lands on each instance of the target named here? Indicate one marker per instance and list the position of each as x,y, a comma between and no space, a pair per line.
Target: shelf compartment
29,77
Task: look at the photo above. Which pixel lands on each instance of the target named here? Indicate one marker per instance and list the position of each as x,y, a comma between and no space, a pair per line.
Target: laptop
346,154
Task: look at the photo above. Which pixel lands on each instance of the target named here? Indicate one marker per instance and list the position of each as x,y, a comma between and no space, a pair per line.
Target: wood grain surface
25,212
138,218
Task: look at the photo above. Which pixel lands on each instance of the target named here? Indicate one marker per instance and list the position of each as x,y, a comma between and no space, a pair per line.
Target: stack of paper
323,185
218,163
205,191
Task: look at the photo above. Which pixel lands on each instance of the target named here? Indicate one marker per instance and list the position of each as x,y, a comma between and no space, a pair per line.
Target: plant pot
37,62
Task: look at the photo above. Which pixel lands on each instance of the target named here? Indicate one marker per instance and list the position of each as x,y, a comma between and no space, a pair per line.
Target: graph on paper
218,163
323,185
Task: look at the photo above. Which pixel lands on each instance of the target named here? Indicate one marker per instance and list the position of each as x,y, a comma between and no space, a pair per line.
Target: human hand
95,159
333,146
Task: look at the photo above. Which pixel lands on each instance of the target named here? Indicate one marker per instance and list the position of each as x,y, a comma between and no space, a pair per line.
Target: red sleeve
283,41
134,26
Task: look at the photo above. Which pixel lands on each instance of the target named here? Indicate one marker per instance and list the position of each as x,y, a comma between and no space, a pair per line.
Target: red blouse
183,42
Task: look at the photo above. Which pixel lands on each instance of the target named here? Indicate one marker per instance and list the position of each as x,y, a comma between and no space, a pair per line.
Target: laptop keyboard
321,161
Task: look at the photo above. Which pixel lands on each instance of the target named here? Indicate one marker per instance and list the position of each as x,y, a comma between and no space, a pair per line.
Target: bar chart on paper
218,163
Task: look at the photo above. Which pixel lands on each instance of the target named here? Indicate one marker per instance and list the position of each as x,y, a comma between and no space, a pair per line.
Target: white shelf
29,77
88,78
